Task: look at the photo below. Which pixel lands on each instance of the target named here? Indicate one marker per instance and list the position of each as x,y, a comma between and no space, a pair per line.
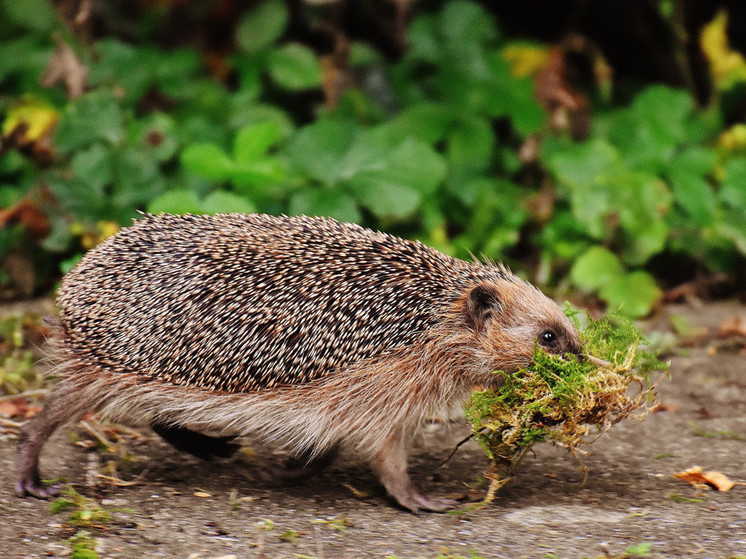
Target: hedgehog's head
511,317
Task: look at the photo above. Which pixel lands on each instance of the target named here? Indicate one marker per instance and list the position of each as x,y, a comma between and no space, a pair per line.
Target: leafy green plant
644,183
248,167
345,168
430,145
291,66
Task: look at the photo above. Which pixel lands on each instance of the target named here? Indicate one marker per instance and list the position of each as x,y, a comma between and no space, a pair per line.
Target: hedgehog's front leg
390,463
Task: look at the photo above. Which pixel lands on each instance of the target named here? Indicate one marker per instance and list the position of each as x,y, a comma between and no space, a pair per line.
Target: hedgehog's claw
32,486
433,504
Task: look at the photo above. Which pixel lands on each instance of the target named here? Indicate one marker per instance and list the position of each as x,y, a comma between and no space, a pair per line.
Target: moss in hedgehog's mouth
559,398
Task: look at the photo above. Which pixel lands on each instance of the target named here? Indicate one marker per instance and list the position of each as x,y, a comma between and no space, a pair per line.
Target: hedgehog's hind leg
197,444
307,463
64,404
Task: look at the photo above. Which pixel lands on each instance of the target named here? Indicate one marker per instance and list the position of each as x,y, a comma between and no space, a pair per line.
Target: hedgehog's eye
548,338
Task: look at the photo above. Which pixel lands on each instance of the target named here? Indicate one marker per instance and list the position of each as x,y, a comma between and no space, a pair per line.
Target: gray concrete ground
183,507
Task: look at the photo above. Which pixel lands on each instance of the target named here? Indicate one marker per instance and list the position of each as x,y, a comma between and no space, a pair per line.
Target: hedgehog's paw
417,503
32,486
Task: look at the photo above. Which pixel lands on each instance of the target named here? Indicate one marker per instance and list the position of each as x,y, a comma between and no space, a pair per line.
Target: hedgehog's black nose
575,349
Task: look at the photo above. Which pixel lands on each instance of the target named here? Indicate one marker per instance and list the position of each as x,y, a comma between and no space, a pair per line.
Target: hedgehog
314,334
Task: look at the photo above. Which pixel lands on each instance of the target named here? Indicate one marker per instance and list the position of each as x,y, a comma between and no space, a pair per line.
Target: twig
97,435
120,482
27,394
455,448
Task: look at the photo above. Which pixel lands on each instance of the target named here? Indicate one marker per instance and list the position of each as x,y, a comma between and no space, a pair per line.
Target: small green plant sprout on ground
82,546
84,512
560,398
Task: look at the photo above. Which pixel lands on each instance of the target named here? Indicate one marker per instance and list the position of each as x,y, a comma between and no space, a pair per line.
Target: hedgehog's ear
482,304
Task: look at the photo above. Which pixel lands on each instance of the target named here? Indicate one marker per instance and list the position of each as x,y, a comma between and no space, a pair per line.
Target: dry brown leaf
27,214
13,408
732,326
662,407
695,476
64,66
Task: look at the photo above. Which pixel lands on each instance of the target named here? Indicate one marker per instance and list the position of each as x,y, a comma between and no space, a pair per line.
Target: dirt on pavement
184,507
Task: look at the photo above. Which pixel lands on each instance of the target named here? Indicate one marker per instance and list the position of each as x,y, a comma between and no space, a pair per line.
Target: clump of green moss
562,398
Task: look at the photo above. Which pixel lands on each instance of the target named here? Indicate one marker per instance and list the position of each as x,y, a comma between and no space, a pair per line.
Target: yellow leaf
37,116
525,60
734,138
726,65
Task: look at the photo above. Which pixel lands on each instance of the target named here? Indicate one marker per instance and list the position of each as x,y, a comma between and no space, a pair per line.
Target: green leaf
428,122
664,111
175,202
369,151
470,145
423,40
174,71
27,55
634,294
595,268
242,115
116,64
155,134
508,96
221,201
414,164
639,550
263,171
584,171
35,15
691,191
646,242
362,54
379,168
732,227
318,148
93,166
385,199
463,20
649,131
94,116
469,191
249,69
207,160
253,141
733,188
294,67
262,26
137,179
563,238
694,160
696,196
580,166
640,200
325,202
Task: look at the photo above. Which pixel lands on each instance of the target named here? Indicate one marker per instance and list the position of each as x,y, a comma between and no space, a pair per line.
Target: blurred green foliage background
448,130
